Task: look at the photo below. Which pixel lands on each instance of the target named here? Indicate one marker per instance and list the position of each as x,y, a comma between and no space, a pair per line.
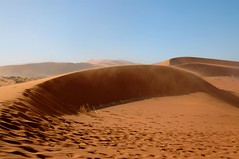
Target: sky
143,31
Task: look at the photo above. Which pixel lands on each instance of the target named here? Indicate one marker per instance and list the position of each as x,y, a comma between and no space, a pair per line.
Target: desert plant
86,109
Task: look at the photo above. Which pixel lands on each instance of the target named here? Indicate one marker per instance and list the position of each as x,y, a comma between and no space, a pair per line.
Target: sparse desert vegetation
9,80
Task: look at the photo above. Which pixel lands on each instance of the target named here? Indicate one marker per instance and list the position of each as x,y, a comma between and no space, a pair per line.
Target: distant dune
210,69
204,66
103,63
185,60
227,83
47,69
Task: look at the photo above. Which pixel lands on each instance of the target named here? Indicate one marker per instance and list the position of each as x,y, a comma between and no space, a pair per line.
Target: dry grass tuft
86,109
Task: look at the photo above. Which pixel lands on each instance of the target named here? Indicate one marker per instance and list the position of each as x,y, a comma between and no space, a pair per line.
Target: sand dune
227,83
210,70
103,63
186,121
204,66
42,69
114,85
47,69
185,60
163,63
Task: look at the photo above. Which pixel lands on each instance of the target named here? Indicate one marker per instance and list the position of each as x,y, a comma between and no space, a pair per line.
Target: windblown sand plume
44,120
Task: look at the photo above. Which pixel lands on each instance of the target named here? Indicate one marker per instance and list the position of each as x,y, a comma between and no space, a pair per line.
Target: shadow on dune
105,87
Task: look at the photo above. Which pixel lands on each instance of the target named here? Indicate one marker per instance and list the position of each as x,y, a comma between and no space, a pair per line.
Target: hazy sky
137,30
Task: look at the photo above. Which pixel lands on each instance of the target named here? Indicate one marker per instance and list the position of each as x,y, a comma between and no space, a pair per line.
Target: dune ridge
114,85
210,70
204,66
184,60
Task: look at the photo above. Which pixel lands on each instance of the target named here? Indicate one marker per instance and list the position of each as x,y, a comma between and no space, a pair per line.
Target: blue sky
144,31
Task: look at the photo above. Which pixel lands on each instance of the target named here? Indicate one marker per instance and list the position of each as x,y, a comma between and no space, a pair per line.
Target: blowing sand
140,111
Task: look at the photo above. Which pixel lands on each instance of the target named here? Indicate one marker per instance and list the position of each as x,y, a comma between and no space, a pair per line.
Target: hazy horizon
137,30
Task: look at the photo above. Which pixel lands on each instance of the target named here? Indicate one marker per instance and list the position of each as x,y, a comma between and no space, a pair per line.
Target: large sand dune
192,117
99,87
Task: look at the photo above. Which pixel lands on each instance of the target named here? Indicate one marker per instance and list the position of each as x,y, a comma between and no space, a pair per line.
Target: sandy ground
196,123
12,92
168,128
189,126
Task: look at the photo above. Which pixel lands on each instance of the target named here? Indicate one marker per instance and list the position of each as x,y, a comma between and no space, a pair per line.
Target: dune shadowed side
114,85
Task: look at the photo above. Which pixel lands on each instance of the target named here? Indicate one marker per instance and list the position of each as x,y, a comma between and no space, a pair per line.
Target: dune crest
184,60
204,66
210,70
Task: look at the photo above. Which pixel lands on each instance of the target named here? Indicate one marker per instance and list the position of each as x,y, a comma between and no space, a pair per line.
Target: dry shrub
86,109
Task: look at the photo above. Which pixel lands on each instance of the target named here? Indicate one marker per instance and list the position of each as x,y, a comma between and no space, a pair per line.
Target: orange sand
168,113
